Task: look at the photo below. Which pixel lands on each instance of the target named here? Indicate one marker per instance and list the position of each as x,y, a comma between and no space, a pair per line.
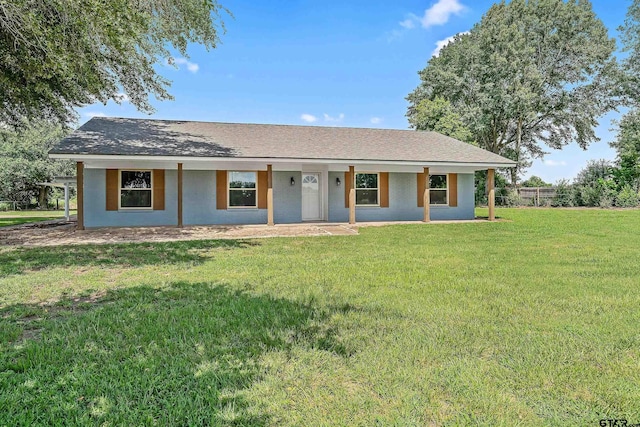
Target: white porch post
66,201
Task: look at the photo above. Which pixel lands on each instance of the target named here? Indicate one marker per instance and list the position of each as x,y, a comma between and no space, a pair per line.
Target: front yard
8,218
532,321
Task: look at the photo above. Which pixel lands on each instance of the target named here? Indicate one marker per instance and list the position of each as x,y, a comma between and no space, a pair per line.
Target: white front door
311,197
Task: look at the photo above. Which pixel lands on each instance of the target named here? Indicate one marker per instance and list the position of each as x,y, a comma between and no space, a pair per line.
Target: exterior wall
287,198
95,204
199,202
403,206
198,205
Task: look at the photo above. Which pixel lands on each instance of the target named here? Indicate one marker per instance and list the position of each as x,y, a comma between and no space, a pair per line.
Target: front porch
195,192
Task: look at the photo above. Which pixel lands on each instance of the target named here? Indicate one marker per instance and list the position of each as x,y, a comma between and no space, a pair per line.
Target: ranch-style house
140,172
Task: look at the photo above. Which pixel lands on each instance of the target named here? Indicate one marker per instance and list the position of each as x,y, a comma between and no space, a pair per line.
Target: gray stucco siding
95,204
403,206
199,202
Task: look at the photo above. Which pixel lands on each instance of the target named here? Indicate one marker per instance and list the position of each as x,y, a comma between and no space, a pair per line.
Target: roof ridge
257,124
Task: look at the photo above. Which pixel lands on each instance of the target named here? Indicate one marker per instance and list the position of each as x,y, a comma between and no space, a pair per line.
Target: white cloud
328,118
308,118
92,114
442,43
440,12
408,23
191,66
375,120
121,97
555,163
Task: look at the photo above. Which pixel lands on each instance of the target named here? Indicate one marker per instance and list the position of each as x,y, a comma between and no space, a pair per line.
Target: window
366,189
438,189
243,189
135,189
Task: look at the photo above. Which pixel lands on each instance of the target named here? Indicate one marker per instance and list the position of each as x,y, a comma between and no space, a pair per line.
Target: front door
311,197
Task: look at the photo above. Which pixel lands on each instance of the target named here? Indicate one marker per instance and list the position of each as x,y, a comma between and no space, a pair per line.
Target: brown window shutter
384,189
420,177
113,192
348,181
453,189
262,189
158,189
221,189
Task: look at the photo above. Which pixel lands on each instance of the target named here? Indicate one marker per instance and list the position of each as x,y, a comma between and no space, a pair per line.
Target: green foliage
535,181
541,330
630,37
439,116
61,54
24,160
530,74
627,197
512,198
598,184
627,144
564,194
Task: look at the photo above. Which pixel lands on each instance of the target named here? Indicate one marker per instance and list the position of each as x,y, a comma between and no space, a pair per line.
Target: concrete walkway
61,232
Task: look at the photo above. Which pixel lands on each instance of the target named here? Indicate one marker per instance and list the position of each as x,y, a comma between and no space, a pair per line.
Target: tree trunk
514,171
42,197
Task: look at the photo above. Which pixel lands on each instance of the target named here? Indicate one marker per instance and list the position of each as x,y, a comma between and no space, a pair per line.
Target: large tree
531,74
627,144
24,161
56,55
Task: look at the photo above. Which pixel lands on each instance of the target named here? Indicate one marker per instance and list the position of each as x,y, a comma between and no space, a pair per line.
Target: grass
8,218
528,322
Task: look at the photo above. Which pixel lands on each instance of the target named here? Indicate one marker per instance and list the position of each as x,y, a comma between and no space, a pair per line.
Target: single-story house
140,172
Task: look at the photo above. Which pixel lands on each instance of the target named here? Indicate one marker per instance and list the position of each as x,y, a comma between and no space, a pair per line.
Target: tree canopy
438,115
531,74
535,181
60,54
24,161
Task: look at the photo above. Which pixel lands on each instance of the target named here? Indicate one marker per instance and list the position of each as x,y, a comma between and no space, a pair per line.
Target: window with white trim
136,191
367,189
438,189
243,189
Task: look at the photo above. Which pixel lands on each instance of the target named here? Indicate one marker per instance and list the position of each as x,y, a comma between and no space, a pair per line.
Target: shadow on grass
181,355
18,260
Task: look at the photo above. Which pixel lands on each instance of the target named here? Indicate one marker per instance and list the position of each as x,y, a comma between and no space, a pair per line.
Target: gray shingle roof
143,137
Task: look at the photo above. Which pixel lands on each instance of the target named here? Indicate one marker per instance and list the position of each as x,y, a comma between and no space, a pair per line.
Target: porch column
269,195
180,195
352,194
491,175
426,197
66,201
80,195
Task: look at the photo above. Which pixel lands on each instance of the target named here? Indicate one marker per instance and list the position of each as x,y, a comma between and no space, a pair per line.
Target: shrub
627,197
564,194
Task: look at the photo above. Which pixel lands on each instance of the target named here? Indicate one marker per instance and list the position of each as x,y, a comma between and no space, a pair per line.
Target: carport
63,182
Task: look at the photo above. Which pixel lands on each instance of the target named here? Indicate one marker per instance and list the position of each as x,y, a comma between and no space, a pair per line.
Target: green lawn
529,322
23,217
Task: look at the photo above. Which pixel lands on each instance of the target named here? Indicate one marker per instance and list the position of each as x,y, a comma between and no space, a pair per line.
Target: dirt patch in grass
66,234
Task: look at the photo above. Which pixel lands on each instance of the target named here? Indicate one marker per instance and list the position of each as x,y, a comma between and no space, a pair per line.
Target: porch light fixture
338,182
293,181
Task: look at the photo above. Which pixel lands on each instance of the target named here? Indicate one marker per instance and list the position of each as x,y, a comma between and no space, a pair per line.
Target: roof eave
182,159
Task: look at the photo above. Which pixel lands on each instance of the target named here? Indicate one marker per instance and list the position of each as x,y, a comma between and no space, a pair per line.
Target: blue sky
334,63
